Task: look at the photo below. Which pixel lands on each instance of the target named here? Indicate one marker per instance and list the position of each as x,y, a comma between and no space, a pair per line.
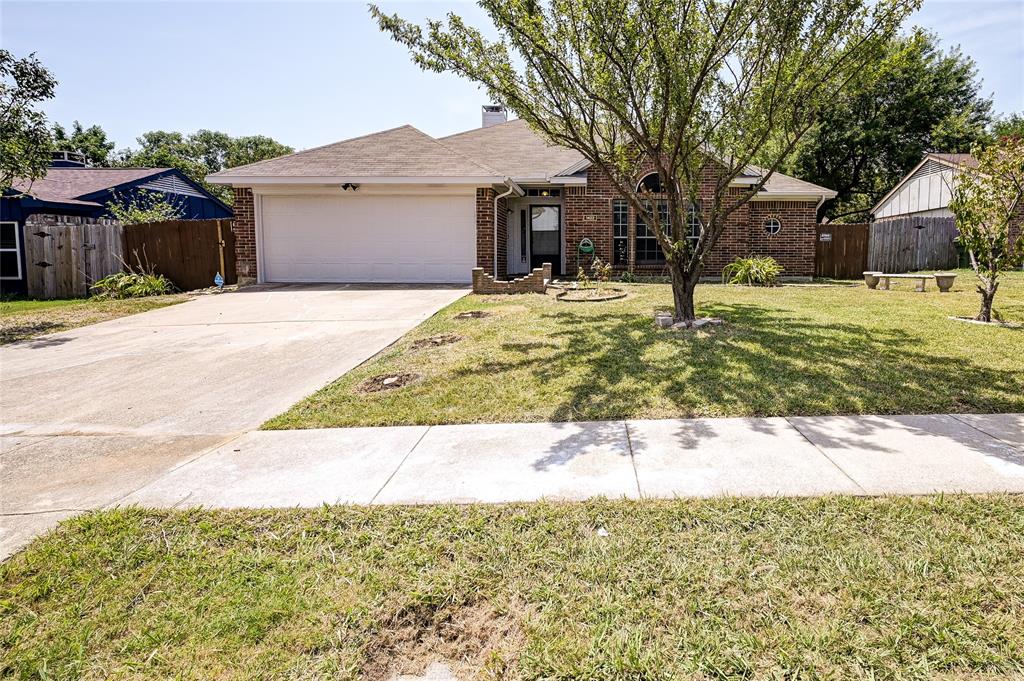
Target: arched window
649,183
772,226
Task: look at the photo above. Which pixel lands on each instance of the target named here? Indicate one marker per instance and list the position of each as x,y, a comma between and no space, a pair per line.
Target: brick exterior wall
535,282
588,214
485,232
793,246
244,227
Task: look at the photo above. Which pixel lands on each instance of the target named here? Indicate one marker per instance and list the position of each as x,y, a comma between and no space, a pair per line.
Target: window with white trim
620,231
772,226
694,226
10,247
648,250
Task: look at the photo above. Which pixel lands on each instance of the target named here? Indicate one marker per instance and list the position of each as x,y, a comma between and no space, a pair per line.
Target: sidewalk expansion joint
985,433
400,464
632,458
822,452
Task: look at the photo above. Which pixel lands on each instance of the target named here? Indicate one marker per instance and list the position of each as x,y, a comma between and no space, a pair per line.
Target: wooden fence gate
841,251
906,244
188,252
66,255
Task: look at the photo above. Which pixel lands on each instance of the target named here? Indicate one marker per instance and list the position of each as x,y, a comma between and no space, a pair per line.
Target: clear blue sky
310,73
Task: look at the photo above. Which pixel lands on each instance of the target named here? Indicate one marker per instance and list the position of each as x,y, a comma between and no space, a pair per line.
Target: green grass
783,351
829,588
26,319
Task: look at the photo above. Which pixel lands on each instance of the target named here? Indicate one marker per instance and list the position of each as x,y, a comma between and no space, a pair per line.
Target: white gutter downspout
512,187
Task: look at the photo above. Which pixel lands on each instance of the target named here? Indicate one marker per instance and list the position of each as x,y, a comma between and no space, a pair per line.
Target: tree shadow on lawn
763,362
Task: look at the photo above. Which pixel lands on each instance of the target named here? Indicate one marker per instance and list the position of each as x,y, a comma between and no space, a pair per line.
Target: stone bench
883,281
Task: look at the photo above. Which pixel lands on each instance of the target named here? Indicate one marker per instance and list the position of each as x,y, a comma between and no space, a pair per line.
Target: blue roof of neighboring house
88,190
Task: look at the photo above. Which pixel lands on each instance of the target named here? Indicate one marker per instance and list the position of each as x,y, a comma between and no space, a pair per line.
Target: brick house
402,206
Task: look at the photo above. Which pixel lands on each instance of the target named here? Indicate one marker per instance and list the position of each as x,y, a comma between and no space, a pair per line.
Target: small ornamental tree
675,87
989,207
25,136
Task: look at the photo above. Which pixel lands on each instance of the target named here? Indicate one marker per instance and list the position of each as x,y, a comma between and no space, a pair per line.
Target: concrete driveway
93,414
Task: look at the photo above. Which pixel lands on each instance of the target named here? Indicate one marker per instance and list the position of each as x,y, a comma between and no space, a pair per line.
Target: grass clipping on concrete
791,350
830,588
22,320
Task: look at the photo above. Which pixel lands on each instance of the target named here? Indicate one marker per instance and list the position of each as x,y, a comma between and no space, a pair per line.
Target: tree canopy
91,142
670,85
24,131
867,138
201,153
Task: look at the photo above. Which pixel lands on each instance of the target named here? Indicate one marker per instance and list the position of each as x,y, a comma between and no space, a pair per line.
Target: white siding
927,192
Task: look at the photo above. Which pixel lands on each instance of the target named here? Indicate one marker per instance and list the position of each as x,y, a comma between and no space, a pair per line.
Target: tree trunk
988,293
683,285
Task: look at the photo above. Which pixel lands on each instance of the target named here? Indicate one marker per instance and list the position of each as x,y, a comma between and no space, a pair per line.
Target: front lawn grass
828,588
791,350
26,319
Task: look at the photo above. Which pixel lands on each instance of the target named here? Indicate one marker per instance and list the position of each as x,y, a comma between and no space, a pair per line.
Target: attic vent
171,184
929,168
493,114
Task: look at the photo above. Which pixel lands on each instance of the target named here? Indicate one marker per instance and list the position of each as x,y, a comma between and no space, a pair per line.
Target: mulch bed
436,341
386,382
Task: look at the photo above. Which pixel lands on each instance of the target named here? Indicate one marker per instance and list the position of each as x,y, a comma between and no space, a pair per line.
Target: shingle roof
509,149
65,184
957,159
399,152
784,184
515,150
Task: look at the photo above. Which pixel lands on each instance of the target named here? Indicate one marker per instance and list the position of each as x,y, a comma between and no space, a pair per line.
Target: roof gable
399,152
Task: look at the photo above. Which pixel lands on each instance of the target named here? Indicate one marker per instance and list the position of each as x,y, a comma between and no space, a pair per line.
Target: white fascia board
793,197
554,180
253,180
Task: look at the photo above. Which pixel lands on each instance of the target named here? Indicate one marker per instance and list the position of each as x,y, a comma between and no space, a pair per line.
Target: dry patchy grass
831,588
809,350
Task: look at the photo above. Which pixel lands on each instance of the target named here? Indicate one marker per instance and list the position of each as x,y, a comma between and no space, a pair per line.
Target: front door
546,237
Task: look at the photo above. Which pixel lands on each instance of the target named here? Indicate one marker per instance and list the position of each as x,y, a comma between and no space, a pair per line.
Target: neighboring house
71,188
926,190
402,206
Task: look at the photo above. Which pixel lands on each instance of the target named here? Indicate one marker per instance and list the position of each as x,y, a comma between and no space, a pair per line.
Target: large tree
201,153
679,86
24,132
91,142
867,138
988,203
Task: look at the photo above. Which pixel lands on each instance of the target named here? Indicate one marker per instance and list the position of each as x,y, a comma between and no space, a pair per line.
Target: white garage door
369,238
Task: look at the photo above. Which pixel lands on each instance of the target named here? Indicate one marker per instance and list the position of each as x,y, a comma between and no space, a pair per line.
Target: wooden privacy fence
841,251
188,252
907,244
65,255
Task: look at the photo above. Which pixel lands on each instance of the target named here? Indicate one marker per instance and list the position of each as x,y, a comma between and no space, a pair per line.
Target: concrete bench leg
920,285
883,283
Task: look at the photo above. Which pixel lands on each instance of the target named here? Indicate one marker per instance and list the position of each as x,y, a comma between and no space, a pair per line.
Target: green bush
132,284
752,271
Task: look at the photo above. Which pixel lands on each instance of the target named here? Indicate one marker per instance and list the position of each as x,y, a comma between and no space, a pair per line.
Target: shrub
752,271
132,284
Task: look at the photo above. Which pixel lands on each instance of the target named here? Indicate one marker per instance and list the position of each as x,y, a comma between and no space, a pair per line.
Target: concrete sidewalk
797,456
